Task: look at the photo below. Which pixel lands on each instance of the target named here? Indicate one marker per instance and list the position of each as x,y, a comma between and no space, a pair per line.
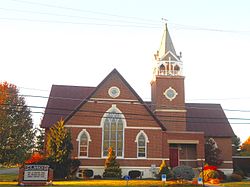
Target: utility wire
81,17
77,23
153,23
66,111
129,102
81,10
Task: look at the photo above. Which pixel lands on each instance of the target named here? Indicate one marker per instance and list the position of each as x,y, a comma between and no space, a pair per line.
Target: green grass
7,180
8,177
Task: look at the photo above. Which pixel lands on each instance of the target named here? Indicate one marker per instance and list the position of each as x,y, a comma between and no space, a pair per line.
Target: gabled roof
62,101
208,118
65,101
166,44
129,87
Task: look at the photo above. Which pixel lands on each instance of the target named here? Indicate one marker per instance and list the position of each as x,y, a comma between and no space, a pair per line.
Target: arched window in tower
142,141
83,143
113,123
162,69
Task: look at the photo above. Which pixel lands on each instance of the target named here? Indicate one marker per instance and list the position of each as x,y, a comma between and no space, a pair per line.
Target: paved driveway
9,170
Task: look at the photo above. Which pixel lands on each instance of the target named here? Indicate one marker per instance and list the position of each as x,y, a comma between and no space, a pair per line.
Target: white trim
98,158
80,133
145,135
82,126
188,160
240,156
183,141
201,159
146,143
169,110
112,94
184,132
112,99
227,161
92,127
145,128
102,167
166,93
79,146
113,107
226,171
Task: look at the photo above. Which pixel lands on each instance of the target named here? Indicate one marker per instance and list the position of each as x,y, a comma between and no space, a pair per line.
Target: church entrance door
174,156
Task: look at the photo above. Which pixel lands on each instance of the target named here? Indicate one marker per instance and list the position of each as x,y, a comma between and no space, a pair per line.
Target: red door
173,156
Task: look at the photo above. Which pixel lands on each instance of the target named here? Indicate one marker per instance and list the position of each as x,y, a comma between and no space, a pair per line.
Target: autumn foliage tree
16,127
245,148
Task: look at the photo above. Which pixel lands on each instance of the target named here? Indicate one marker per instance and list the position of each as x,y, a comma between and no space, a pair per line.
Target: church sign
36,172
35,175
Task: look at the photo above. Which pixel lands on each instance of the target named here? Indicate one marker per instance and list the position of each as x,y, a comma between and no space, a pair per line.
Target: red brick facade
171,129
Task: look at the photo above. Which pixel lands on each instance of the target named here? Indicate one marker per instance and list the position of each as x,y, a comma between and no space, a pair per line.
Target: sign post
127,178
163,179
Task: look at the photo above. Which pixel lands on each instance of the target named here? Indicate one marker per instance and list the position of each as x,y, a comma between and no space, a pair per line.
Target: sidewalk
9,171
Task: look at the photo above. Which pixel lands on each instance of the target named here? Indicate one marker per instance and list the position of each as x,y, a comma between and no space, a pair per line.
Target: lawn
7,180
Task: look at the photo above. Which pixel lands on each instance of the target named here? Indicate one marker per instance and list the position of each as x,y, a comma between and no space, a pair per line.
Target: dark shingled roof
208,118
62,101
201,117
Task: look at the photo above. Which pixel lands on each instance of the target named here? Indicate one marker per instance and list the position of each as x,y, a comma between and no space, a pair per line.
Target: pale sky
78,42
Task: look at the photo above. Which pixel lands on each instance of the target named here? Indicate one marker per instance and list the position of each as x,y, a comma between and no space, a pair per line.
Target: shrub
134,174
87,173
183,172
222,175
164,170
112,167
240,172
97,177
235,177
209,174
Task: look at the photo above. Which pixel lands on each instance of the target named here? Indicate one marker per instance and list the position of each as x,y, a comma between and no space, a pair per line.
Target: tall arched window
83,143
142,141
113,123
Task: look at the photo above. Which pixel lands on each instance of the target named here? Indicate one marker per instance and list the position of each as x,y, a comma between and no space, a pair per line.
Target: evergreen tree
164,170
112,167
236,145
58,149
40,135
16,126
212,153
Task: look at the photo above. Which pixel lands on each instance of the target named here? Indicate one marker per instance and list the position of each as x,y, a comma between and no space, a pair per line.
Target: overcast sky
78,42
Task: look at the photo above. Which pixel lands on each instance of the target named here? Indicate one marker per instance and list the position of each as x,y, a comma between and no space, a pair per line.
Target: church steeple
168,63
167,86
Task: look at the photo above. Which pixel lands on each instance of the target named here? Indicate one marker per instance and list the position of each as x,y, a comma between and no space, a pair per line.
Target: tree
212,153
164,170
16,126
245,148
40,136
236,145
112,167
58,149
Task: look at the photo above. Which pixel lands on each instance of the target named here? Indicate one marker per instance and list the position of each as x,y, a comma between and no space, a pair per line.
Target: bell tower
167,86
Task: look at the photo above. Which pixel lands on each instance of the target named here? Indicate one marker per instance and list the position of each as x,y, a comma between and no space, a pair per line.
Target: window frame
123,120
84,131
142,133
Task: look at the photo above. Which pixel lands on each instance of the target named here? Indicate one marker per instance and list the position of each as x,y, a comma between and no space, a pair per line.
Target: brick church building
142,133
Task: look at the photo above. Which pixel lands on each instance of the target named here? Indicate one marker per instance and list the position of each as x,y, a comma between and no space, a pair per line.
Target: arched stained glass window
83,143
142,141
113,131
